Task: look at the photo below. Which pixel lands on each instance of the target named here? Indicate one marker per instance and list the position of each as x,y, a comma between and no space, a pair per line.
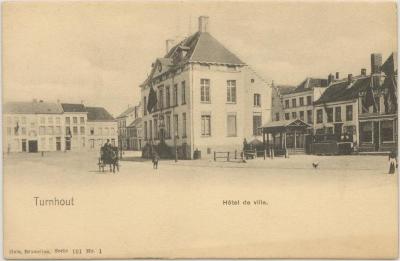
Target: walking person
392,162
155,160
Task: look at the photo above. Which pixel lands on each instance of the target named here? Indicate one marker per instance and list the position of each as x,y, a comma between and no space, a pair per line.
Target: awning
278,126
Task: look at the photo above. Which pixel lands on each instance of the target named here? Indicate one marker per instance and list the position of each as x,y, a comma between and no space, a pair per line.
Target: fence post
265,153
228,155
215,156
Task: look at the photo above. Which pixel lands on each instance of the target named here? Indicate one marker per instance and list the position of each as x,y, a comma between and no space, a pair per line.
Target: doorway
58,143
33,146
67,143
24,145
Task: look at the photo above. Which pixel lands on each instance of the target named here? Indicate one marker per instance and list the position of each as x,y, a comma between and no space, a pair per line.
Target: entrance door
24,145
338,130
33,146
376,135
67,143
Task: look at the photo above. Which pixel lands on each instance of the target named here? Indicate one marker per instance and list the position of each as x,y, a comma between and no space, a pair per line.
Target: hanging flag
152,100
16,128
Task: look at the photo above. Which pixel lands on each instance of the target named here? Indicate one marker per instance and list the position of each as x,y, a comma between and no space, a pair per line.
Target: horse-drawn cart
108,156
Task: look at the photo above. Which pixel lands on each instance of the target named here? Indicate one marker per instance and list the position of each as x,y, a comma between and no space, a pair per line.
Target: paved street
347,203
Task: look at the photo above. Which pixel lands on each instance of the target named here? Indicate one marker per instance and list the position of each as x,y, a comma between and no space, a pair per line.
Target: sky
100,52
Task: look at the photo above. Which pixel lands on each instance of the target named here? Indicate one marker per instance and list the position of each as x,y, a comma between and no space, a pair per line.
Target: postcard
200,129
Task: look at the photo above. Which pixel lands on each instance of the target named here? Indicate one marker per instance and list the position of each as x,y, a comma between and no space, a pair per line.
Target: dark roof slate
341,91
33,107
73,107
98,114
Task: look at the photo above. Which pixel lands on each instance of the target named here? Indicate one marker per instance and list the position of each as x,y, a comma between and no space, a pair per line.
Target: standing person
392,162
155,160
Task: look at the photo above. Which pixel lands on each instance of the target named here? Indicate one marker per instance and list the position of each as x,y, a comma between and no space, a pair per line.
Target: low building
135,135
101,127
33,126
124,120
75,117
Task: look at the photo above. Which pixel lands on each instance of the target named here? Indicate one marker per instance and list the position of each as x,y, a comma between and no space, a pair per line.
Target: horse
109,156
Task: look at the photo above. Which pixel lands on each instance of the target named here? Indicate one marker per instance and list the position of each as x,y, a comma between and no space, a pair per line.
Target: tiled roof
341,91
32,108
135,123
98,114
309,83
126,112
285,89
73,107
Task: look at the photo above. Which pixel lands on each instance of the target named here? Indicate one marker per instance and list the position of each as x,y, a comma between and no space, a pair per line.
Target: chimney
349,78
169,43
203,24
337,75
331,78
376,63
363,72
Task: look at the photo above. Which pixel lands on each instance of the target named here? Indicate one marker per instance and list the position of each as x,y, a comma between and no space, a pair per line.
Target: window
320,116
82,130
286,103
308,100
294,102
205,90
257,99
91,130
58,130
365,132
231,125
338,114
387,130
50,130
329,114
176,125
349,112
184,124
68,131
294,115
167,97
51,143
309,116
67,120
256,124
287,116
168,127
112,131
155,125
58,120
183,92
277,116
231,91
82,120
175,95
301,101
150,129
161,98
50,120
75,130
145,130
144,105
205,125
302,115
75,120
42,130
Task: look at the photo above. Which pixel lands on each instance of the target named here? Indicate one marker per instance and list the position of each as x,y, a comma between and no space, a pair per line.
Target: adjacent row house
53,126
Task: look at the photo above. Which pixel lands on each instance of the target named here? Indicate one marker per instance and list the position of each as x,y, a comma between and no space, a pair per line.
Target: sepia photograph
200,129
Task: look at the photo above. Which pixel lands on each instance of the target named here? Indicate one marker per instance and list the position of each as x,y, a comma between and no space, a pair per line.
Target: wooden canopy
283,126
